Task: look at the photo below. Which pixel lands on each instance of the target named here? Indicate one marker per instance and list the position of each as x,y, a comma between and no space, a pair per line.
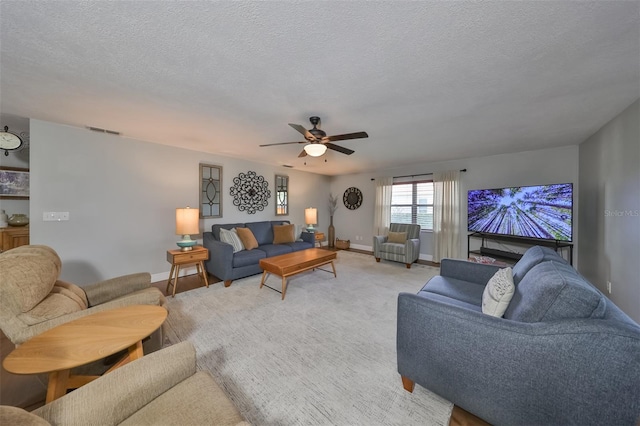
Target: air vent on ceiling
98,129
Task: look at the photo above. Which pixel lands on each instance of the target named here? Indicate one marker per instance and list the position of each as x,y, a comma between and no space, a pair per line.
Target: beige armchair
401,244
33,300
160,388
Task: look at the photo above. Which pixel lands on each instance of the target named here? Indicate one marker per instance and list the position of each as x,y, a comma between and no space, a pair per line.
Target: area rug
325,355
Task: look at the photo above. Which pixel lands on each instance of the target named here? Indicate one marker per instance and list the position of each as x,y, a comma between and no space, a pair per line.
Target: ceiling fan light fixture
315,149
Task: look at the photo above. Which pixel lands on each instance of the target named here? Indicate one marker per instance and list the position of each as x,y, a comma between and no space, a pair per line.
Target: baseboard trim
164,276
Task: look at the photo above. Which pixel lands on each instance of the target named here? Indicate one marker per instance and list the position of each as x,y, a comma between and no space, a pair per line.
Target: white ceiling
429,81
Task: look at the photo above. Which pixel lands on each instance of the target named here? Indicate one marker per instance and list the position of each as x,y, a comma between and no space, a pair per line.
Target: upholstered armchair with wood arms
401,244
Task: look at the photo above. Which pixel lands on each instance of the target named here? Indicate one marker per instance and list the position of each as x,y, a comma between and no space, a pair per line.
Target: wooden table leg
58,385
334,269
203,272
175,281
284,287
265,274
173,267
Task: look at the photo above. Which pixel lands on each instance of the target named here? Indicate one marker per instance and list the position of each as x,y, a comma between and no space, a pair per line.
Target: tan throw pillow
284,234
397,237
498,293
248,239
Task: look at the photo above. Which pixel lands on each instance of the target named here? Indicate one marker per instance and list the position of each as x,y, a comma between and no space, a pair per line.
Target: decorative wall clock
250,192
352,198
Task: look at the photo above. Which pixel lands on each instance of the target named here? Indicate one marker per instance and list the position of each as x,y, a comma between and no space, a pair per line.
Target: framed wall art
14,183
210,187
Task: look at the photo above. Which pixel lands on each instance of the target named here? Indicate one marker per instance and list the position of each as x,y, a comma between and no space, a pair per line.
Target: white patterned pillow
498,293
231,237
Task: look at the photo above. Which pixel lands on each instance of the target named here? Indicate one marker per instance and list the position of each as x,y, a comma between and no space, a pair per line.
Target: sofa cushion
498,293
283,234
397,237
275,249
248,238
392,248
215,229
553,291
263,232
531,258
24,284
449,300
464,291
247,258
17,416
231,237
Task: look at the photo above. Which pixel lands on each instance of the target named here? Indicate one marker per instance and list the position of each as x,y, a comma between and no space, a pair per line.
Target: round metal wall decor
352,198
250,192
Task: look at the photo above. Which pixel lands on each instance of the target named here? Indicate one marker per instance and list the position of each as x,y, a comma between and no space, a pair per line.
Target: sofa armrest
571,371
220,262
113,288
412,249
479,273
377,241
308,237
115,396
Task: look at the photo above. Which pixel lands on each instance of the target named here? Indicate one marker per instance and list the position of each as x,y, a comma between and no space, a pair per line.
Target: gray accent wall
121,195
609,209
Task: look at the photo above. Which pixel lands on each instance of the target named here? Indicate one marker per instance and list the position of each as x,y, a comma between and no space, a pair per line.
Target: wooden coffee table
290,264
84,340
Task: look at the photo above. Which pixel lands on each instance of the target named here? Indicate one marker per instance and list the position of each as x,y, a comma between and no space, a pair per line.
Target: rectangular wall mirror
282,195
210,190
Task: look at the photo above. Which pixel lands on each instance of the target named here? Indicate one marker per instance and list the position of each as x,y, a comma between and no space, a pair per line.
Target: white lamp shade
315,149
187,221
311,216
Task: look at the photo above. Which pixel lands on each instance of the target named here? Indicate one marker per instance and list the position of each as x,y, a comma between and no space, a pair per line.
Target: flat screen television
542,211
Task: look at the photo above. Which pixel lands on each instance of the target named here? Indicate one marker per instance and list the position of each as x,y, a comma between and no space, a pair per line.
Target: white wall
610,209
557,165
122,194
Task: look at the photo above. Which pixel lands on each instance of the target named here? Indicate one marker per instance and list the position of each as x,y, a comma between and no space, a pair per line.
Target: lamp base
186,244
311,229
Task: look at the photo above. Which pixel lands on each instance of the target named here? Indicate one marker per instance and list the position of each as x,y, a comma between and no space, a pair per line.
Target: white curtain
382,212
446,215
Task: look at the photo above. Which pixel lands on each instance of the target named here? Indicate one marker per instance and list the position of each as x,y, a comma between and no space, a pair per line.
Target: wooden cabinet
14,237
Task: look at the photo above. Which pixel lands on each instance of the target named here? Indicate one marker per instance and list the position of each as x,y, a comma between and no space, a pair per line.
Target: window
412,202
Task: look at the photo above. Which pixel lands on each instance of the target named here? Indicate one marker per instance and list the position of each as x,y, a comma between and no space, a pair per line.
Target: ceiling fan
317,140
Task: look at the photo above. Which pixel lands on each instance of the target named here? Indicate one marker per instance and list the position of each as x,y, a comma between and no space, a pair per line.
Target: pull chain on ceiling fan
317,142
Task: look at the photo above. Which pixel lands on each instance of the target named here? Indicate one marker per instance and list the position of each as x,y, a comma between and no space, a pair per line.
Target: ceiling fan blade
282,143
302,130
357,135
302,154
339,148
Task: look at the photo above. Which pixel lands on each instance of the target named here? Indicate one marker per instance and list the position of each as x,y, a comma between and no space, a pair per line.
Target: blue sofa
562,354
228,266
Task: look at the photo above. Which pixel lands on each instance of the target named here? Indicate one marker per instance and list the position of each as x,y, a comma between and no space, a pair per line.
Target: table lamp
187,223
311,218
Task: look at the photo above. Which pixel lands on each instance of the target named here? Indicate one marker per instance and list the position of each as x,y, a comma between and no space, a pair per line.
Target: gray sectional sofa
562,354
228,266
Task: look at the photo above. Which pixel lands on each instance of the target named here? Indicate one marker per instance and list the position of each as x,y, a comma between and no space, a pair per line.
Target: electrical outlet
609,287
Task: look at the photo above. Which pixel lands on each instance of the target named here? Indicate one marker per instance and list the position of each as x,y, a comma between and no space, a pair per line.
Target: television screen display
543,211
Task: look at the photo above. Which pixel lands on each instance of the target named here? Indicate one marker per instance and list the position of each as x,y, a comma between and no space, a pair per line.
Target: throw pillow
248,239
397,237
498,293
231,237
283,234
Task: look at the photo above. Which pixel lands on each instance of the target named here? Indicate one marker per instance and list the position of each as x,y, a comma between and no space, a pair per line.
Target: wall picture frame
210,191
14,183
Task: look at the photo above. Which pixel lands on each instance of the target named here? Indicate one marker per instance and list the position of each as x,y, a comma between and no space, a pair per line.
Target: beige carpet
324,356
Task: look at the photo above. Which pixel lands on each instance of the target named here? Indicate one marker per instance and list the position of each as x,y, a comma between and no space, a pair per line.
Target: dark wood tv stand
524,242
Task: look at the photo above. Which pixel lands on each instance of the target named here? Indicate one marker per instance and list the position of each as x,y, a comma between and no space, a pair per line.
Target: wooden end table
290,264
179,258
319,238
82,341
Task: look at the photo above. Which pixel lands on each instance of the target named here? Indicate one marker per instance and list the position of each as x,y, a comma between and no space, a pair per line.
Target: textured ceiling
429,81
